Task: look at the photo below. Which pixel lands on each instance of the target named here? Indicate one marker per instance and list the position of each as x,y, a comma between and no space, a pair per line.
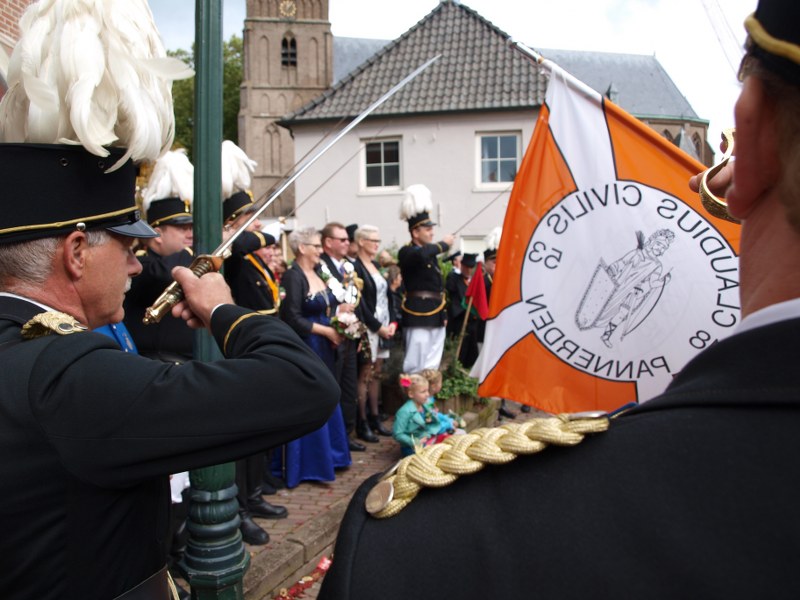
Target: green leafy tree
183,94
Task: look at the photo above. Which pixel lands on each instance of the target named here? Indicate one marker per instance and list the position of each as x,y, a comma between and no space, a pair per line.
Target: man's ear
74,249
757,163
157,241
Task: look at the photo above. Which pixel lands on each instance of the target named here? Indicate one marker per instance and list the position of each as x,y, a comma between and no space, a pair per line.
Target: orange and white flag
610,275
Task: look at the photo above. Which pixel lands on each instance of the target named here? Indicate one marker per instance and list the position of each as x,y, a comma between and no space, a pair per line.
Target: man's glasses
369,240
343,239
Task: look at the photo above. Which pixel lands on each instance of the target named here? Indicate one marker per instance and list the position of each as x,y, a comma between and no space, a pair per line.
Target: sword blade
222,248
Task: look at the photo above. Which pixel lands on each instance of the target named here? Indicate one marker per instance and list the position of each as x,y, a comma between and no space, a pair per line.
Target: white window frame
363,168
494,185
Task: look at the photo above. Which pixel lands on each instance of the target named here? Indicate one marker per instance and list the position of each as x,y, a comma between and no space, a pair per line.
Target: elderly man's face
109,268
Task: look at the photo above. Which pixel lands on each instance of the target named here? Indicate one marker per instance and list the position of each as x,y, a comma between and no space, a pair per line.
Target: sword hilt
205,263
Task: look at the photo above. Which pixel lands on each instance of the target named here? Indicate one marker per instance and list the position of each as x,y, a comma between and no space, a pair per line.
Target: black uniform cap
169,211
53,189
235,205
468,260
774,31
422,219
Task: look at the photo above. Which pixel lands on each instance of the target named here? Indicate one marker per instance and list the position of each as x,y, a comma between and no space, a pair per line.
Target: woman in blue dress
307,308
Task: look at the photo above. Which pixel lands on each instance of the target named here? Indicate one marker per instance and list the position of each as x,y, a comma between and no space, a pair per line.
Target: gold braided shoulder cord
441,464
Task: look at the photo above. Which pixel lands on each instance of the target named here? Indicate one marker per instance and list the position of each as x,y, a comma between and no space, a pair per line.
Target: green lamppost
215,560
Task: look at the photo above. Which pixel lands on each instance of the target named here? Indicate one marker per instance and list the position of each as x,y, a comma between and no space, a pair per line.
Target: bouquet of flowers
348,325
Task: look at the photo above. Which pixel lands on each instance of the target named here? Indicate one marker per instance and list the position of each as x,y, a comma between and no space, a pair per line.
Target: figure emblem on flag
626,292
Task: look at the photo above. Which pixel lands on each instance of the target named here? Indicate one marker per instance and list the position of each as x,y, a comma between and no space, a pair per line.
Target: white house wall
439,151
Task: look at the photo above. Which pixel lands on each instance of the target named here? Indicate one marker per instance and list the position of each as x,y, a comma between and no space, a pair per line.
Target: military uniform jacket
693,494
252,283
170,339
421,273
89,435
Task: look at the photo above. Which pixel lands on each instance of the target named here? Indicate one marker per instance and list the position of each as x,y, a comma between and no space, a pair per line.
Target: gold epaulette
463,454
48,323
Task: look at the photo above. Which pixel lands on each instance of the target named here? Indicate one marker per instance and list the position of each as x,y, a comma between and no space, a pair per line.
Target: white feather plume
172,176
273,228
237,169
417,199
91,72
492,239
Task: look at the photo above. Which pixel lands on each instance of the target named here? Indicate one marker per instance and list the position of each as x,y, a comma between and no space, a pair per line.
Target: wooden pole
463,327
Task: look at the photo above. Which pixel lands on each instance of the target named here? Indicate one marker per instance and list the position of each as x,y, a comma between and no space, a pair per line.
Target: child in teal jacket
413,425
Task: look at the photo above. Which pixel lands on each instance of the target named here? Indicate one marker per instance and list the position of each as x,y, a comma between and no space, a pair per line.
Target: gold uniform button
379,497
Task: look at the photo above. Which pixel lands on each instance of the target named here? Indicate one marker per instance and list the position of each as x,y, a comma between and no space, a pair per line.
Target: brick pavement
315,511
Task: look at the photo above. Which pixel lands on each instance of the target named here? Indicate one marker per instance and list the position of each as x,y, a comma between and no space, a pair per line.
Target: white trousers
424,347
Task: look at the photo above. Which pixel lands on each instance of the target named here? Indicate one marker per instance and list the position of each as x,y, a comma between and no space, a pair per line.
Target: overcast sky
700,57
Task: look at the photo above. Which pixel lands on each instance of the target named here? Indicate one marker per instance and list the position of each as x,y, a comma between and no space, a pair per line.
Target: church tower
288,61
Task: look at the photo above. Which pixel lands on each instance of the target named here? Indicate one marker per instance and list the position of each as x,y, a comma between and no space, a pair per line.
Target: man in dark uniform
456,286
692,494
170,340
249,279
335,239
167,201
424,307
455,260
89,434
88,494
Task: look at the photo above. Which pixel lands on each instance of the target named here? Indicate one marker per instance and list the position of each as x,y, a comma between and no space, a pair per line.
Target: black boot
378,427
355,446
251,533
258,507
365,433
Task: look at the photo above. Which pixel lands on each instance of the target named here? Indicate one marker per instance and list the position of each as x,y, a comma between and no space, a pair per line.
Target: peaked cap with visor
71,127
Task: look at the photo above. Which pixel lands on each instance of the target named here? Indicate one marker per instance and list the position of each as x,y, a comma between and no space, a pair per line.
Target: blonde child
413,425
447,424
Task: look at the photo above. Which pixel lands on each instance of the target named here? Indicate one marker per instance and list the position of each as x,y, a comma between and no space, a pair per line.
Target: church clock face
287,9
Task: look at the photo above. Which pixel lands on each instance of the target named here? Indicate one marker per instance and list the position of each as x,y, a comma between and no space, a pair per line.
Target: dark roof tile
479,69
